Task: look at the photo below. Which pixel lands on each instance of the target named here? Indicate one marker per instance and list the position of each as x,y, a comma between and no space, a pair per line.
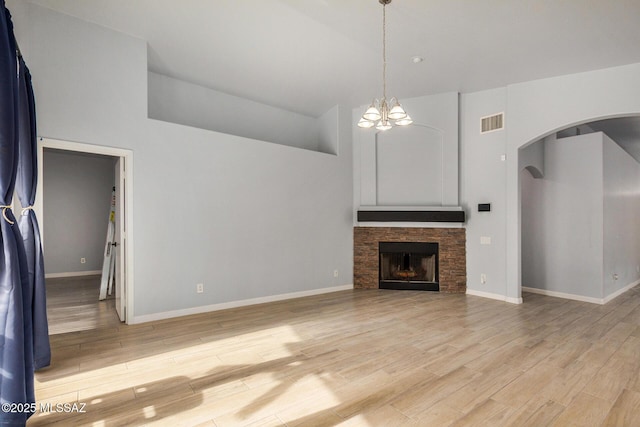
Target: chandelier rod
381,110
384,50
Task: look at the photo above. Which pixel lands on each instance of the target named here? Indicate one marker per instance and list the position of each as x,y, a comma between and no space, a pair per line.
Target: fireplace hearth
408,266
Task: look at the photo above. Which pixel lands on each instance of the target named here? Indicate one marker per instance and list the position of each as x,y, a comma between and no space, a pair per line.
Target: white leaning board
107,264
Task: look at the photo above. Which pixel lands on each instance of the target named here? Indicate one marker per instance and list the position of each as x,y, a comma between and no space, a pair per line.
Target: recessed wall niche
177,101
411,166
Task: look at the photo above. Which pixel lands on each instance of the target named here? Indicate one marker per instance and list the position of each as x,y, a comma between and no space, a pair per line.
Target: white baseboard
513,300
234,304
72,274
494,296
621,291
582,298
564,295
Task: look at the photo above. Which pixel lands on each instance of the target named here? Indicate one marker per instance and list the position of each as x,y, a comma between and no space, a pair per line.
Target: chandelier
379,110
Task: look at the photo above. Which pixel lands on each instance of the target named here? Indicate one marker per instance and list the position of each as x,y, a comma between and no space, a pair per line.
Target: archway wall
532,110
531,158
539,108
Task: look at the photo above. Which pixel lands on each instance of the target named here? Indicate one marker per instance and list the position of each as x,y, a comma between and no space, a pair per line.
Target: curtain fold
26,183
16,343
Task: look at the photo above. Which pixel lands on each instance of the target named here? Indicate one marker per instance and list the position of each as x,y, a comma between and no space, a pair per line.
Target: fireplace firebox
409,266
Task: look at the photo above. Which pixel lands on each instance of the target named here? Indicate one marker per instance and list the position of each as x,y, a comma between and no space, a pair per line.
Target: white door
120,241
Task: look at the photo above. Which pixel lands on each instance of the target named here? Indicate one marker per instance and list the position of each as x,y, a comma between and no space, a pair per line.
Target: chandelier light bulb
364,123
384,125
407,120
372,113
397,112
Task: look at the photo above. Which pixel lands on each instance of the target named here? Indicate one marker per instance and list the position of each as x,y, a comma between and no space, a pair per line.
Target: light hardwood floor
351,358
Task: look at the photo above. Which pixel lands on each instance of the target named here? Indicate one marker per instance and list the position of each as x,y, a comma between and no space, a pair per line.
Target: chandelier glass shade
379,110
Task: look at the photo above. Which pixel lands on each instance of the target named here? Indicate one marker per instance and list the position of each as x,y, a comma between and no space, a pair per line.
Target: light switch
485,240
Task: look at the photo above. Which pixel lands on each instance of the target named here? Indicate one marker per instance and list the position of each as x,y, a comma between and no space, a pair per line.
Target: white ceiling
308,55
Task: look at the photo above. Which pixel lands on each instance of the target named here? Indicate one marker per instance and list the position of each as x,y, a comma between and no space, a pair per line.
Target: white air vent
492,123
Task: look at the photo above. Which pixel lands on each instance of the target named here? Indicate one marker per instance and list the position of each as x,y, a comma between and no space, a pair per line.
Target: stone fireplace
445,270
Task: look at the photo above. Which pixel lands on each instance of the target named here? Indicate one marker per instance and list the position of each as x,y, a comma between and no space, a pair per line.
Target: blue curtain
26,183
16,340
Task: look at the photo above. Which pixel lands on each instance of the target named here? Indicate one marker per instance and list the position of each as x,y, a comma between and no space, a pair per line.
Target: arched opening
579,197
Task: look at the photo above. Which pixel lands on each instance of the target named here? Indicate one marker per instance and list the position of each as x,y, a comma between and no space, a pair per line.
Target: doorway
122,164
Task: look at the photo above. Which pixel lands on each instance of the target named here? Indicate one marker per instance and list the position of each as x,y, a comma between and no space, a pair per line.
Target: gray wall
533,110
280,215
580,223
483,176
621,217
409,167
531,157
91,86
562,217
76,203
539,108
181,102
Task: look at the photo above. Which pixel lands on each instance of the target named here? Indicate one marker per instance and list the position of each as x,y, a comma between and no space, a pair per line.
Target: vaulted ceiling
308,55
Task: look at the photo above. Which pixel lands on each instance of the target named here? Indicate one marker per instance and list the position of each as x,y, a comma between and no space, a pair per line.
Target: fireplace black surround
408,266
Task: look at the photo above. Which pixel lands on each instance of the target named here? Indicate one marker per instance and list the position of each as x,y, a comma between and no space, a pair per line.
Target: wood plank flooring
72,305
351,358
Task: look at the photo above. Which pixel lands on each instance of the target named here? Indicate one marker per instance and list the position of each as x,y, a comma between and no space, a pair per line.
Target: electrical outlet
335,273
200,288
483,278
83,260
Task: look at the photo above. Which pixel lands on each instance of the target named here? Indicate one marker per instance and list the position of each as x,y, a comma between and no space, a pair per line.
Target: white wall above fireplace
409,167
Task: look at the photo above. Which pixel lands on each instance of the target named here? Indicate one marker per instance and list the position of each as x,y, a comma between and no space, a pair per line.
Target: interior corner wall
262,220
328,130
188,104
562,217
483,174
76,201
621,218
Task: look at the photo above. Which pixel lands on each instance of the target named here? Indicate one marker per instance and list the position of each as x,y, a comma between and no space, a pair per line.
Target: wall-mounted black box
484,207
